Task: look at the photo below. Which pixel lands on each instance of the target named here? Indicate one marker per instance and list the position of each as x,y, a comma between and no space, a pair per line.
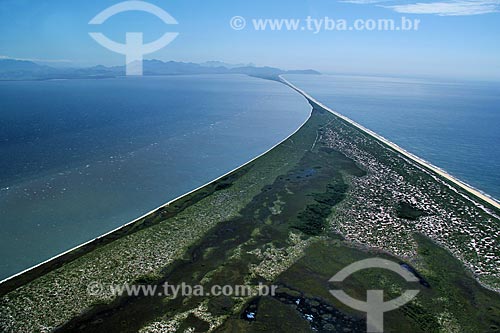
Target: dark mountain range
11,69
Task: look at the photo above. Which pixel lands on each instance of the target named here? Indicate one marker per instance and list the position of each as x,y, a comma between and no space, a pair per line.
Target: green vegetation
273,316
158,216
454,302
409,212
313,219
287,218
310,175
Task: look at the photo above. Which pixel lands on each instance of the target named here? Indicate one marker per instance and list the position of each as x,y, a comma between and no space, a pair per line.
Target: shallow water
82,157
453,125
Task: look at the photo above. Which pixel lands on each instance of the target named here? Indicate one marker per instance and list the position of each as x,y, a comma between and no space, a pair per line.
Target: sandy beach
104,237
469,189
420,162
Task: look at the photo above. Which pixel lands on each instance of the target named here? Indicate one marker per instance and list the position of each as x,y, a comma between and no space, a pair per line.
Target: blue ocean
82,157
454,125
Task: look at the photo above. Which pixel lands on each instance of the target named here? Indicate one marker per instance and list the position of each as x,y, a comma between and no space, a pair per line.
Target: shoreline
151,212
427,166
421,162
213,227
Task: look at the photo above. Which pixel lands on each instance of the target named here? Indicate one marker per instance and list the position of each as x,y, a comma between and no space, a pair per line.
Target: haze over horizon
456,39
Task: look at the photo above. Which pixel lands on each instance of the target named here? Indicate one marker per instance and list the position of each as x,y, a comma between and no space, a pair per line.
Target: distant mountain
11,69
303,71
19,69
270,73
19,65
157,67
223,64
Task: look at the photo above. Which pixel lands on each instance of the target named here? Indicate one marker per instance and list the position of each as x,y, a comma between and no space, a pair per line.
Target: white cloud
442,8
363,2
449,8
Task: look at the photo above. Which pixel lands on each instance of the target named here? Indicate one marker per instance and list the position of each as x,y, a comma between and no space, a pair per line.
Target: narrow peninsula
330,194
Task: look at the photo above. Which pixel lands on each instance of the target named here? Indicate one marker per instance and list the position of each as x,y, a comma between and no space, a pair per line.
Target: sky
456,38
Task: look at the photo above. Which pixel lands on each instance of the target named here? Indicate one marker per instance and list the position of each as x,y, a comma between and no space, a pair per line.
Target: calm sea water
82,157
454,125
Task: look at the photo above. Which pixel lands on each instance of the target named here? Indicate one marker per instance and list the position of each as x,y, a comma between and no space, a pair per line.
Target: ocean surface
454,125
82,157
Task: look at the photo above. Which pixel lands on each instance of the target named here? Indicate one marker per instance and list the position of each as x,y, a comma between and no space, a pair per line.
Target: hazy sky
456,38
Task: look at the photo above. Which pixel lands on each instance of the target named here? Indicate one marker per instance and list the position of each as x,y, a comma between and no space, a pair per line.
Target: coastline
139,219
421,162
202,233
108,237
